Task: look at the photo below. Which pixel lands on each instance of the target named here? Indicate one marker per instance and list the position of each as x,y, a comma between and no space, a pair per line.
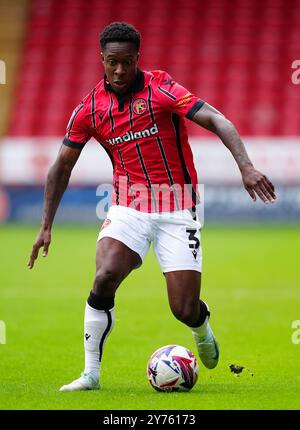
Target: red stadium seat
236,55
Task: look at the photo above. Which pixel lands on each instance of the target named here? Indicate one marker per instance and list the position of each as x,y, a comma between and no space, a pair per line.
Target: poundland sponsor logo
133,135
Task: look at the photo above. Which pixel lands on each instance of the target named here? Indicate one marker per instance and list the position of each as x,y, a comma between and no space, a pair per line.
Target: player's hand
43,239
258,184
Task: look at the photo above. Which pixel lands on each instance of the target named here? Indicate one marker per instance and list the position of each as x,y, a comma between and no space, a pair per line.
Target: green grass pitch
250,279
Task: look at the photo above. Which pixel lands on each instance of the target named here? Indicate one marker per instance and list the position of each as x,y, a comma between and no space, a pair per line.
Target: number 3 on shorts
194,242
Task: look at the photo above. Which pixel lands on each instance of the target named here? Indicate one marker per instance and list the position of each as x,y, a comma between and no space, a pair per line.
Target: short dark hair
120,32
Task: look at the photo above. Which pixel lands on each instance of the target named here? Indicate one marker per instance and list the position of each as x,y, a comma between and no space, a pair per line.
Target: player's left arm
254,181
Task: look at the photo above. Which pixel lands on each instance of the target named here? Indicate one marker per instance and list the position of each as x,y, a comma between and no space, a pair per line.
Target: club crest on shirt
139,106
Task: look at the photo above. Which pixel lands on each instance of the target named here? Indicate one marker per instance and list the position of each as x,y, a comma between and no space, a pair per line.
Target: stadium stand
235,54
12,28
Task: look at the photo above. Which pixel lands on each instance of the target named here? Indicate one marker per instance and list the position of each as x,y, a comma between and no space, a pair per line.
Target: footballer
138,117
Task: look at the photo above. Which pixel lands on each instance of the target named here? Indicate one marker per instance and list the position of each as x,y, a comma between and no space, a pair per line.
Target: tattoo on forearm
57,182
231,139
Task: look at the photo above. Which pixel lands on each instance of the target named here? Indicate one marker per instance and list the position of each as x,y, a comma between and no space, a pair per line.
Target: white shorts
175,236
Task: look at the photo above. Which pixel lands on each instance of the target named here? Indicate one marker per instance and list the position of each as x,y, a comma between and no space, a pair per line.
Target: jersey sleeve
77,134
176,98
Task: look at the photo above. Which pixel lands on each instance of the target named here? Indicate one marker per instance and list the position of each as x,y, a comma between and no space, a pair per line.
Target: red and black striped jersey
145,136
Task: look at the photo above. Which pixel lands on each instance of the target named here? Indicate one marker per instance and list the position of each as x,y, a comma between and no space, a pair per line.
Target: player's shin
98,323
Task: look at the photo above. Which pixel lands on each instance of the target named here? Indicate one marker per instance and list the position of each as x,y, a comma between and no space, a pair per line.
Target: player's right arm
77,135
56,184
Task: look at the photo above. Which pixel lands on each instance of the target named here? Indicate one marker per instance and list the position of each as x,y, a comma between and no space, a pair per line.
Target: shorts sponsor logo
133,135
139,106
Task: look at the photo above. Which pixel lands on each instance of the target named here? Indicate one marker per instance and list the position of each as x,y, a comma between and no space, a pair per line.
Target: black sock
100,303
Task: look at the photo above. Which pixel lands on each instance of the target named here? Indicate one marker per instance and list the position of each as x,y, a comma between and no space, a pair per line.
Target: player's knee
184,313
106,282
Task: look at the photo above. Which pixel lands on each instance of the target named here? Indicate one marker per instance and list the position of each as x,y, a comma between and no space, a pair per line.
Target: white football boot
207,345
87,381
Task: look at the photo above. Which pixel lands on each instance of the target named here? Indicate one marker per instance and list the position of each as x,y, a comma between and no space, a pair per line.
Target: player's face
120,64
